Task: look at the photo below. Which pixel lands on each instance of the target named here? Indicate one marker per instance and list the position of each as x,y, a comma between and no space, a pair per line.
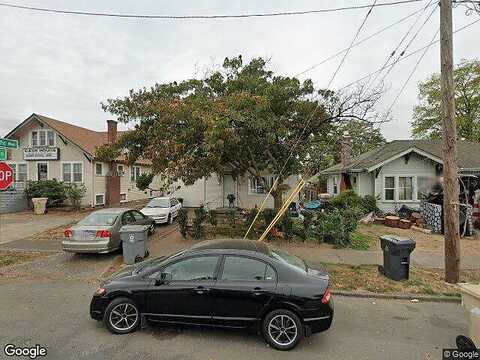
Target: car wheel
122,316
282,329
151,231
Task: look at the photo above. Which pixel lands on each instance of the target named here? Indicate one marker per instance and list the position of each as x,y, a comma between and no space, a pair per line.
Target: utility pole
449,148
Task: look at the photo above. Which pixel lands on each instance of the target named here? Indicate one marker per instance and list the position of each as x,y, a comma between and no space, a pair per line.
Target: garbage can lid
133,228
396,239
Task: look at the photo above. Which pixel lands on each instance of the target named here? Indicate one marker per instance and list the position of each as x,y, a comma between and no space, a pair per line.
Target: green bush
268,216
183,221
200,216
251,216
287,225
144,181
75,193
338,225
231,217
212,217
51,189
350,199
307,224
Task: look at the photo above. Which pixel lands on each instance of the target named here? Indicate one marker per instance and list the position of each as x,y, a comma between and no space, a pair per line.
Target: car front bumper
98,306
78,246
159,219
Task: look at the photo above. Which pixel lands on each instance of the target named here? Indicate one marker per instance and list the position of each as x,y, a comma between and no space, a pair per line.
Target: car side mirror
164,279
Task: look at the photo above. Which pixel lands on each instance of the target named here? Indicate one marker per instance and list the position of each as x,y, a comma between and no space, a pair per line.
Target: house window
120,170
22,173
256,187
98,169
99,199
72,172
42,171
405,188
389,188
123,197
43,138
335,185
135,173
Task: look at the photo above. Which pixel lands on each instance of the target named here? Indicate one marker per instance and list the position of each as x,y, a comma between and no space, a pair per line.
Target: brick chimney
346,150
111,131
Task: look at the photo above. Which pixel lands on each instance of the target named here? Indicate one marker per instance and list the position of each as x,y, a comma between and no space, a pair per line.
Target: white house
53,149
398,172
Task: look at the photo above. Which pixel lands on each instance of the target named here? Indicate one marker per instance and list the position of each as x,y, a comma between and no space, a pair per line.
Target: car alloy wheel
282,330
122,316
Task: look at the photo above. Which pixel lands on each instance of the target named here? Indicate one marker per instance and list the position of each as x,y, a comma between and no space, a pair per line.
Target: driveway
23,225
54,313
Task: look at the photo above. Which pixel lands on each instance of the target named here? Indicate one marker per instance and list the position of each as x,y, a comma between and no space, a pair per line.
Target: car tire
151,231
282,329
119,316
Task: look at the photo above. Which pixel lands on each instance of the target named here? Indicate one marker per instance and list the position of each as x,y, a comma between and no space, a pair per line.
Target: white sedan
162,209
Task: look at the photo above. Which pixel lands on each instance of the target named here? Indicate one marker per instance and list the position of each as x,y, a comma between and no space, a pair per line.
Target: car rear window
99,219
289,259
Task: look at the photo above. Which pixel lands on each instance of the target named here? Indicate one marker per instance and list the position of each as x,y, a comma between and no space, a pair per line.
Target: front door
42,171
229,188
185,297
241,292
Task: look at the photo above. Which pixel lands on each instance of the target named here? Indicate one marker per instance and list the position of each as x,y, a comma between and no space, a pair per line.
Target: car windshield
159,203
289,259
146,266
99,219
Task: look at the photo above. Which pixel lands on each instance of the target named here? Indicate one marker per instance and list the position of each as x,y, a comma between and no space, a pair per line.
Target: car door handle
200,290
258,291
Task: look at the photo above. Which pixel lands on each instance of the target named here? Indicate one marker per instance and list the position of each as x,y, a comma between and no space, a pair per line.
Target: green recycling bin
396,256
134,243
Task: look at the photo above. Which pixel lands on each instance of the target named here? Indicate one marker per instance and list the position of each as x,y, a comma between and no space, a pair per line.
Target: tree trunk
277,199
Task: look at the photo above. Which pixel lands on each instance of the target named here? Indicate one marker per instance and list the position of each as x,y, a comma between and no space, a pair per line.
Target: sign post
3,154
6,176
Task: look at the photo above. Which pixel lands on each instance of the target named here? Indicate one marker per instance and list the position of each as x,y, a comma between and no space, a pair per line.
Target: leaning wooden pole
449,148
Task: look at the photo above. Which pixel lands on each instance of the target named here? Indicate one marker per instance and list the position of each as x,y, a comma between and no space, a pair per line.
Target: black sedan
224,283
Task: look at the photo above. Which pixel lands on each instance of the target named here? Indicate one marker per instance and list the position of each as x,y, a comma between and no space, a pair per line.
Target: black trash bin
396,256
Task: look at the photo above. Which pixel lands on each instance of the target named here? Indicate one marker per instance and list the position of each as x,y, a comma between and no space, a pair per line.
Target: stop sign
6,176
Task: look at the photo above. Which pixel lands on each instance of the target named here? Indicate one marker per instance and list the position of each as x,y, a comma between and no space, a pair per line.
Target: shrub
231,216
75,193
369,204
200,216
338,225
183,221
268,216
51,189
307,224
144,181
346,199
287,225
251,216
212,217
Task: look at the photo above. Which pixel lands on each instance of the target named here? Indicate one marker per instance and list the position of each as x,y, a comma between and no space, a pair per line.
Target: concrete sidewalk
22,225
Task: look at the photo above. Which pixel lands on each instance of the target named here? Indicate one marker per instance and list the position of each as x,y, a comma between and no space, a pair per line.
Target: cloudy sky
63,66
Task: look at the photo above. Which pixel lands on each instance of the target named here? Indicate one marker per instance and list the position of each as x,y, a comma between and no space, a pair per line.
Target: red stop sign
6,176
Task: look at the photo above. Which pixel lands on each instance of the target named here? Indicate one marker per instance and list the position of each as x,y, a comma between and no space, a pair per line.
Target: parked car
162,209
99,232
224,283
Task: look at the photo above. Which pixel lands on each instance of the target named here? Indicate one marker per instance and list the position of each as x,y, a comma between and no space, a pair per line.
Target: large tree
242,119
427,122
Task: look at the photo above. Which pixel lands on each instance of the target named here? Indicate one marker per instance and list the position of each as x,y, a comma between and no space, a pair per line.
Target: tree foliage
243,119
427,122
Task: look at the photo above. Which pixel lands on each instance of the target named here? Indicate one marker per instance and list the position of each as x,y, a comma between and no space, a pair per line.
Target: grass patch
421,281
9,257
360,241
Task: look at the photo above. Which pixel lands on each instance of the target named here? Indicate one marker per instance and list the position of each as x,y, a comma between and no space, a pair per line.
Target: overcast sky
63,66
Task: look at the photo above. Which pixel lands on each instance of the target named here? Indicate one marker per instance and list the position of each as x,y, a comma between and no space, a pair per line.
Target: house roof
468,155
86,139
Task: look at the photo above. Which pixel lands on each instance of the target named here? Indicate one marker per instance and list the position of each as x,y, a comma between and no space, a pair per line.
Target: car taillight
68,233
326,297
104,234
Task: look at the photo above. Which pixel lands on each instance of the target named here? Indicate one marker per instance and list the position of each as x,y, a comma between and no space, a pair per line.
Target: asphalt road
54,313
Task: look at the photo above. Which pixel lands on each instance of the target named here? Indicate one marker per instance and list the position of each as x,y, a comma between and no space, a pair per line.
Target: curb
423,298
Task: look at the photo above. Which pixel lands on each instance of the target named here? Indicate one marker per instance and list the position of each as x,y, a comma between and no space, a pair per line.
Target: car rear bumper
78,246
319,320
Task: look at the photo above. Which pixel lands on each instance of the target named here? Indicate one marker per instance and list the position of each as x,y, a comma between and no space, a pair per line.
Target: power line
378,32
185,17
406,56
394,52
411,73
408,45
351,45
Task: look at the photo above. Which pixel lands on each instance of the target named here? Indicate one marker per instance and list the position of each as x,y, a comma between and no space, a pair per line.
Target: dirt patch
429,242
10,257
366,278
